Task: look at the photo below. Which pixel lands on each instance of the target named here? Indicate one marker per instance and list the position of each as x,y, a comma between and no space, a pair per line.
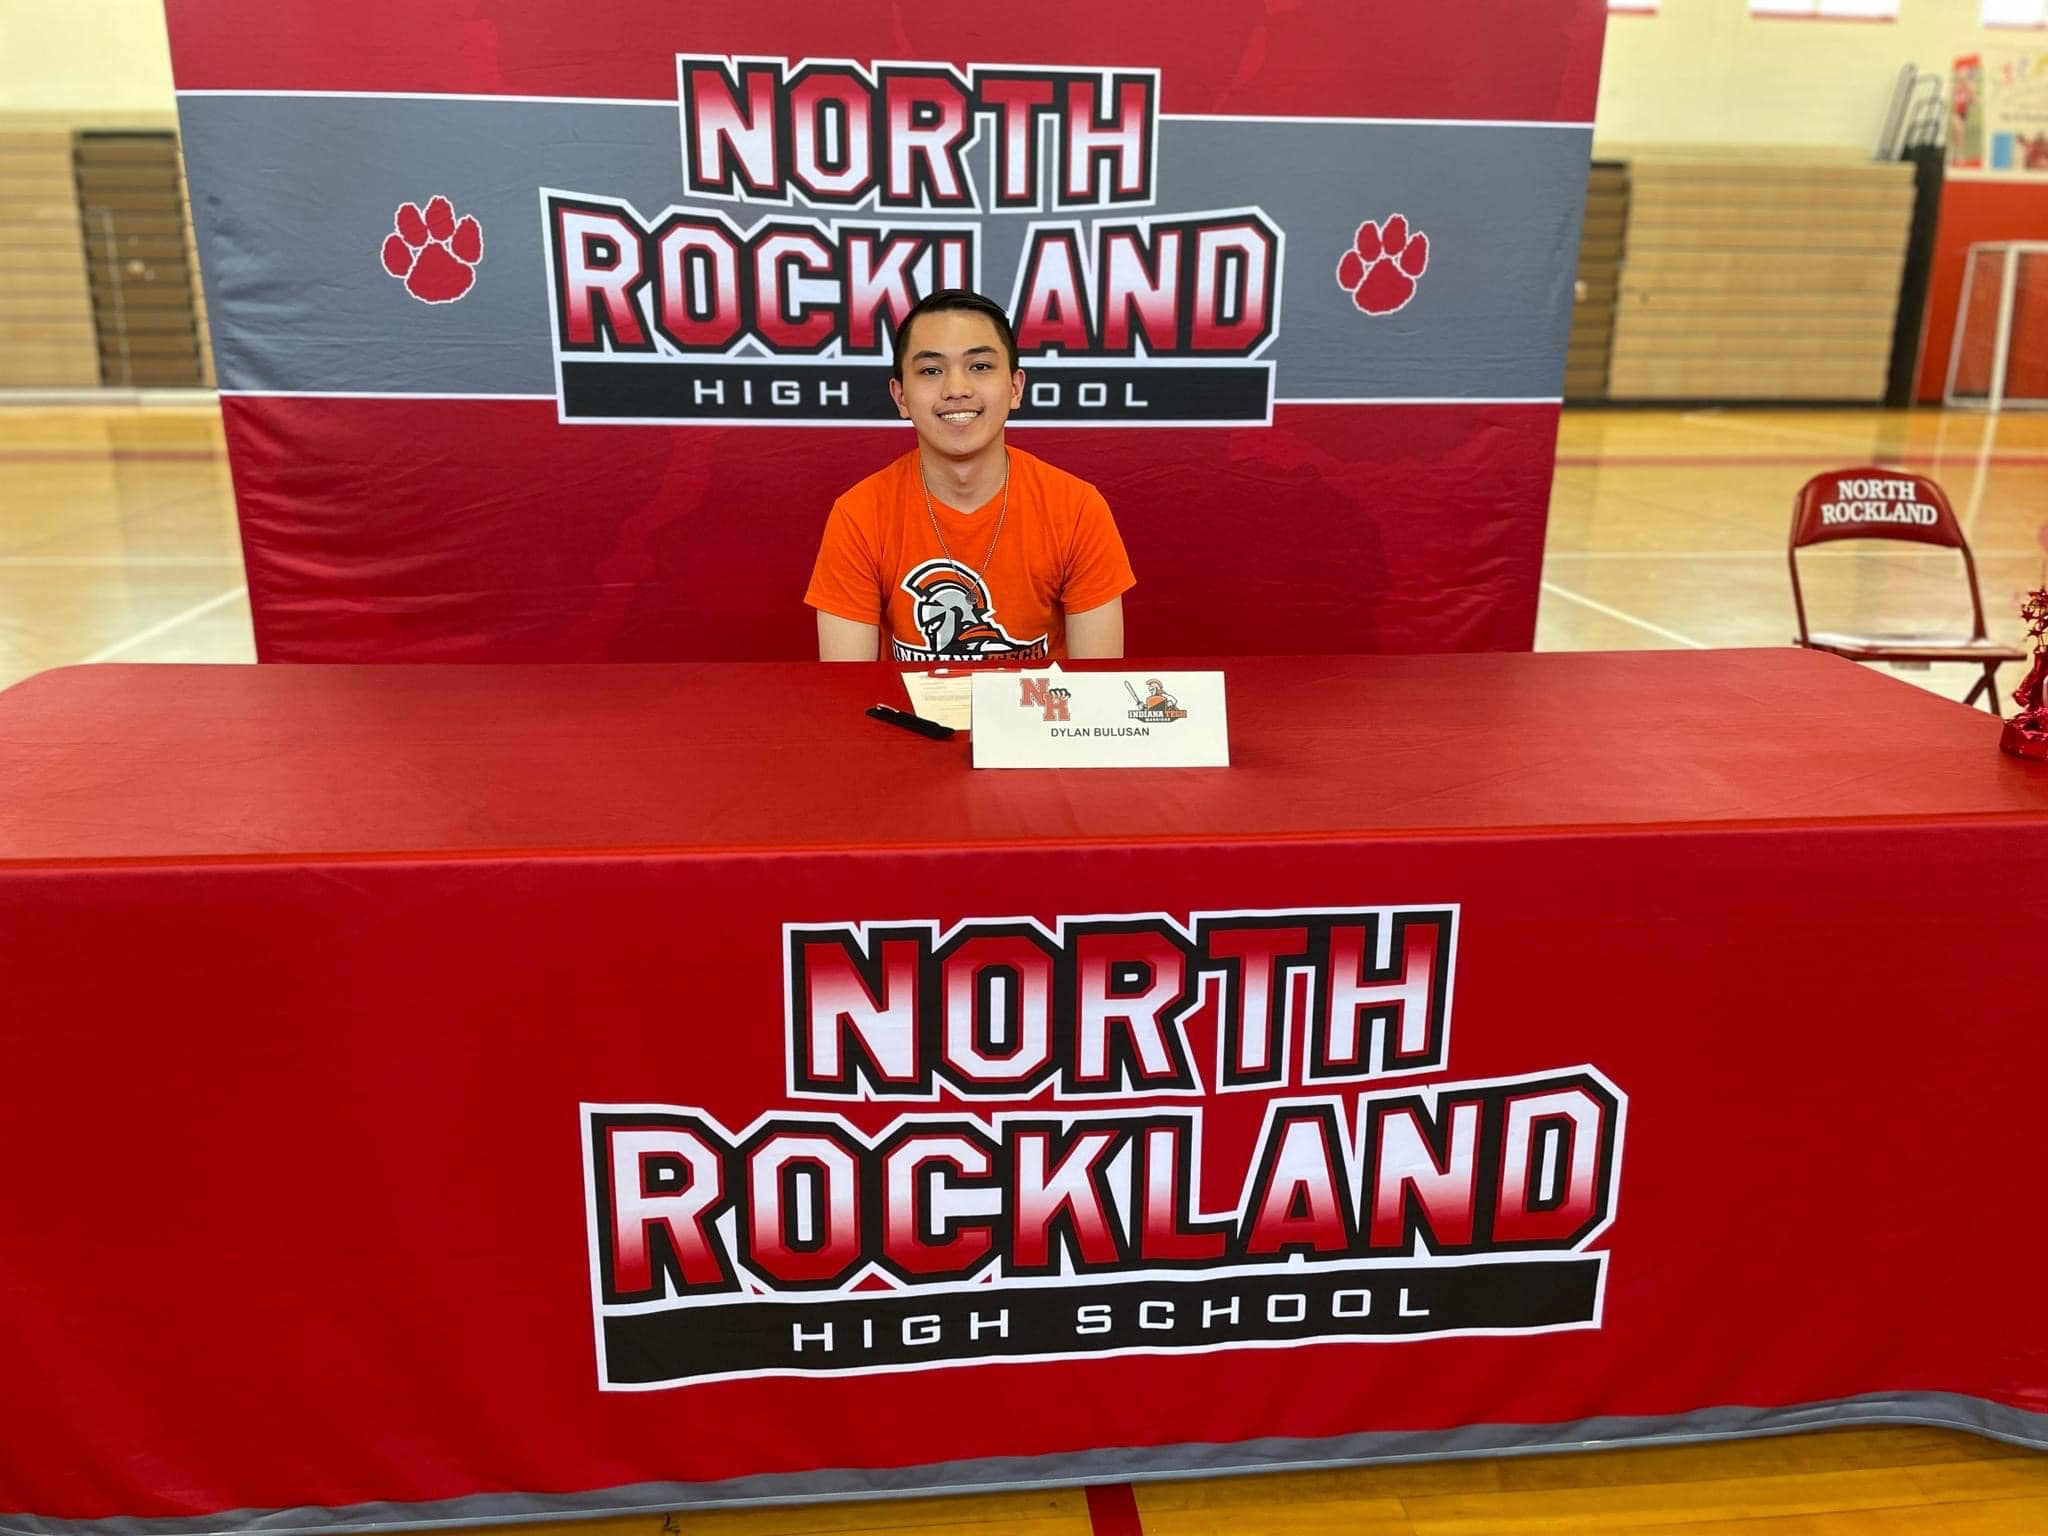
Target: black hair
960,299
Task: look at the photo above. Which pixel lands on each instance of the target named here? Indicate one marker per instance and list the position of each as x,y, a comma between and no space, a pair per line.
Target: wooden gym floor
1667,528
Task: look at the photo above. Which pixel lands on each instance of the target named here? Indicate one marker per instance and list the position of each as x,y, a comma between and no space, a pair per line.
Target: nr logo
1039,696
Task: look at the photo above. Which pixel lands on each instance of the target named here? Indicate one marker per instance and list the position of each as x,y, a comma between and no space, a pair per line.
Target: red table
467,1092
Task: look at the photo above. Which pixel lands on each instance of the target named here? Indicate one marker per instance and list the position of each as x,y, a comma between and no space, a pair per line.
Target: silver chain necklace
932,513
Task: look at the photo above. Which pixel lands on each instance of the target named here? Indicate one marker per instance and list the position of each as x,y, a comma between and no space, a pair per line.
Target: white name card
1060,719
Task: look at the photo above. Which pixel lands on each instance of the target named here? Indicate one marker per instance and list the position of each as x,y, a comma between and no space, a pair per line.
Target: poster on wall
532,351
1966,113
1998,112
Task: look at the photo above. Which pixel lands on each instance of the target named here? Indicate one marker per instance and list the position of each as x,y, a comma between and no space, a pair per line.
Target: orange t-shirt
964,601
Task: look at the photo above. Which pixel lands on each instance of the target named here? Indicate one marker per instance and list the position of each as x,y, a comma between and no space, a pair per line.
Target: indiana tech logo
1157,704
957,618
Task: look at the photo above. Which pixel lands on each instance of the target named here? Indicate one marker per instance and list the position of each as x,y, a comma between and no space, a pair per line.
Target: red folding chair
1875,503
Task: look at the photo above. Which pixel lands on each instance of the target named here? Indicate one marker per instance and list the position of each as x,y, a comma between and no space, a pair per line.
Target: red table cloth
460,1093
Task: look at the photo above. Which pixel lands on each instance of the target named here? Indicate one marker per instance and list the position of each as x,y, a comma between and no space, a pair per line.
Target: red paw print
1380,269
435,254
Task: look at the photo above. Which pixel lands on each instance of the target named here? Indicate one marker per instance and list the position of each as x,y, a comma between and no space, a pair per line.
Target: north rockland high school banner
551,331
1039,1189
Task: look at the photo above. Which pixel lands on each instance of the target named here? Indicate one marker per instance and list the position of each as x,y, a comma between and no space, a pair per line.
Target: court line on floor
1742,423
1778,554
1113,1510
2015,459
1984,451
108,455
155,631
132,562
1671,554
1626,618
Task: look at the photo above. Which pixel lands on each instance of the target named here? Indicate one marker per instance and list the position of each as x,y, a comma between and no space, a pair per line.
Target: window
2014,13
1828,10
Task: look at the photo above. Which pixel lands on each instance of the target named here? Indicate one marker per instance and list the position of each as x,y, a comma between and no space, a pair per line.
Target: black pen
909,722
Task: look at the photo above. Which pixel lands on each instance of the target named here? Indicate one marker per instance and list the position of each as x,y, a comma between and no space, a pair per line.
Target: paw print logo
434,252
1380,269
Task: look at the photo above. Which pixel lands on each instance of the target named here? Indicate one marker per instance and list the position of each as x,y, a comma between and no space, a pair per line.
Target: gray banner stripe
1937,1410
292,198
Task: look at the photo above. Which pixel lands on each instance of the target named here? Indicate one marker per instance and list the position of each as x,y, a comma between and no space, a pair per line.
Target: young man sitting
965,549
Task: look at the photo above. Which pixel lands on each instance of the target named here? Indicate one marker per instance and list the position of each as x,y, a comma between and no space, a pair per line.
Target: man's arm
1097,633
844,640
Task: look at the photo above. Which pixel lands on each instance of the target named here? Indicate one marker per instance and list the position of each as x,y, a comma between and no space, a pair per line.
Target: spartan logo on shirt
957,618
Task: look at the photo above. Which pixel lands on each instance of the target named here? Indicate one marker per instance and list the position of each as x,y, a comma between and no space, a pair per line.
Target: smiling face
957,387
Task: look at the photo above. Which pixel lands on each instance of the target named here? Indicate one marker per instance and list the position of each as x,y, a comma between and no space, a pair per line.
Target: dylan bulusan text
1075,1143
1100,730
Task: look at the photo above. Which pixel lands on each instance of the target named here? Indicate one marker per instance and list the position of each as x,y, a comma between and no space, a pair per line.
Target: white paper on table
946,698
